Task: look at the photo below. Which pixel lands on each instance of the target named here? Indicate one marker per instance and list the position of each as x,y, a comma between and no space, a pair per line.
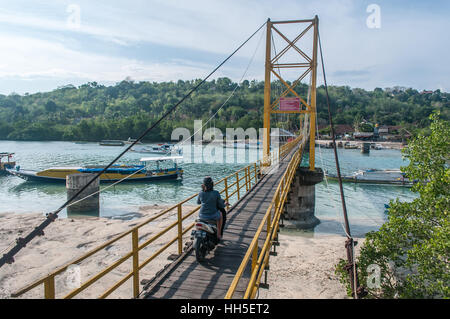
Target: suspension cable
228,98
39,230
349,244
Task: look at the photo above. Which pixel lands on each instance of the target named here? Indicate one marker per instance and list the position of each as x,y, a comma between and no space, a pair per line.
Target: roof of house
343,128
339,128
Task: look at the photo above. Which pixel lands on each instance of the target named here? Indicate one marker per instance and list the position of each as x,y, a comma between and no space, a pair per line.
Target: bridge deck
186,278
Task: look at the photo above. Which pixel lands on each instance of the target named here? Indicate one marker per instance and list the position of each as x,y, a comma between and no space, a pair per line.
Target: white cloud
28,58
409,49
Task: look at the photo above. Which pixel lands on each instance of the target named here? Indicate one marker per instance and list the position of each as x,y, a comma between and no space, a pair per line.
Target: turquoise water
365,202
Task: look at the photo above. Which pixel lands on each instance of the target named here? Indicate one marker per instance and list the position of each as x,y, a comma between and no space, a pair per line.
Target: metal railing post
135,239
254,256
49,287
237,185
180,230
225,181
277,202
246,180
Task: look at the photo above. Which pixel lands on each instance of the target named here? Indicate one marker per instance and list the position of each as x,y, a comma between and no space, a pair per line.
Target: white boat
131,141
162,149
375,176
350,146
378,147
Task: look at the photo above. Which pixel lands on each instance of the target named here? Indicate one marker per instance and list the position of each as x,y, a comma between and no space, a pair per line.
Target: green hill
93,112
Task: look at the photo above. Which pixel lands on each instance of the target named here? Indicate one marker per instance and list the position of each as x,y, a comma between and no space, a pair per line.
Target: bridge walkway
187,278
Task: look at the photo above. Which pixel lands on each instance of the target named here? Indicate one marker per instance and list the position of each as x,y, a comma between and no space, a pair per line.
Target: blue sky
42,45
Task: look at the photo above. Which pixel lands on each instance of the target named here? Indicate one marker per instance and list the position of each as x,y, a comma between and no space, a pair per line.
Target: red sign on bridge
289,104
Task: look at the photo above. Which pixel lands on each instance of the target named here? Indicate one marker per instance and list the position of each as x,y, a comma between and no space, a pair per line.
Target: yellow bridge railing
270,222
236,184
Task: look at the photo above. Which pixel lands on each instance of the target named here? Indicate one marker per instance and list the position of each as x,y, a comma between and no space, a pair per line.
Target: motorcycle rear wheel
200,249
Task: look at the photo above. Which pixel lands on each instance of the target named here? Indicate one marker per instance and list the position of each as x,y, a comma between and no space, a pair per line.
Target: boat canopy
164,158
4,154
113,169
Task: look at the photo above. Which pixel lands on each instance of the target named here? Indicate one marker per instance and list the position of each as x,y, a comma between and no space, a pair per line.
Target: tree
412,248
66,106
50,106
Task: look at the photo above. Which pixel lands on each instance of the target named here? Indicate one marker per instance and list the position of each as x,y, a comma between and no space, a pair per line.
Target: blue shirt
211,203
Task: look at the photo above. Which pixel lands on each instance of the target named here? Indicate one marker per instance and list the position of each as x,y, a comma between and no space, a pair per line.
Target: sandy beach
303,268
69,238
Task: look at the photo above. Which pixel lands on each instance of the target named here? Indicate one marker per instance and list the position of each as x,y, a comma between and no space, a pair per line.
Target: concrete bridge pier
89,206
300,206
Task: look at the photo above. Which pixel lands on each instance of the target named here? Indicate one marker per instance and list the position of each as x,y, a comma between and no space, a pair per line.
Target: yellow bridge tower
308,65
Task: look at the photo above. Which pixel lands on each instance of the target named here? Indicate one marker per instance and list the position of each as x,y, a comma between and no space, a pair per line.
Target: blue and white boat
149,169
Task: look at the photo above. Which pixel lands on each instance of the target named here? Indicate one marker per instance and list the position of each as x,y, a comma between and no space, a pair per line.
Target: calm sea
365,203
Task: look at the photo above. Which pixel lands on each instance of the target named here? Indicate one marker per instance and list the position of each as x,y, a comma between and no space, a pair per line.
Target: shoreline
385,145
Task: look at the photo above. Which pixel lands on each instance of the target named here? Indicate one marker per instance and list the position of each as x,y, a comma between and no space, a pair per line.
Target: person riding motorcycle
213,206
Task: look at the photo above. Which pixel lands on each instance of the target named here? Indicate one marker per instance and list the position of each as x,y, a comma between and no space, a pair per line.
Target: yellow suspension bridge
236,267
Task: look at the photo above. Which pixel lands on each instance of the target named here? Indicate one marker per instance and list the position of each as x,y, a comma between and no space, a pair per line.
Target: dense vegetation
411,250
93,112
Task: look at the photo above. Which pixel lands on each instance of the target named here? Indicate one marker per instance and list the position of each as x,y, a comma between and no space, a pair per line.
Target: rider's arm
220,201
199,198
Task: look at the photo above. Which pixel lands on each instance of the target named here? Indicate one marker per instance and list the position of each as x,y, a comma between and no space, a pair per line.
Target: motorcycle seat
208,221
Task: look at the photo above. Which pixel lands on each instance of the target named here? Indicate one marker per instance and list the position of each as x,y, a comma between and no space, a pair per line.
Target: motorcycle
204,236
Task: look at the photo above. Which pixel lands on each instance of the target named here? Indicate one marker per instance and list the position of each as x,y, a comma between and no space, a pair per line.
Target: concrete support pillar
365,148
89,206
300,207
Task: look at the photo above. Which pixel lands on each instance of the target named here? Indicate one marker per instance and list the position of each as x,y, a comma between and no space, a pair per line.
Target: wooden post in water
89,206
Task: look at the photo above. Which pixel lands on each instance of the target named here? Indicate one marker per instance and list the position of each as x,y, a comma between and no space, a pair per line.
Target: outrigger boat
349,146
161,169
375,176
162,149
112,143
8,164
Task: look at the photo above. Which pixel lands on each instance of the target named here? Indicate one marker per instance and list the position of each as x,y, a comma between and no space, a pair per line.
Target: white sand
67,239
303,268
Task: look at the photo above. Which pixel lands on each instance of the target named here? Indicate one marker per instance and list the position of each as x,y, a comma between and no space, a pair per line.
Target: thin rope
228,98
344,208
128,176
328,186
